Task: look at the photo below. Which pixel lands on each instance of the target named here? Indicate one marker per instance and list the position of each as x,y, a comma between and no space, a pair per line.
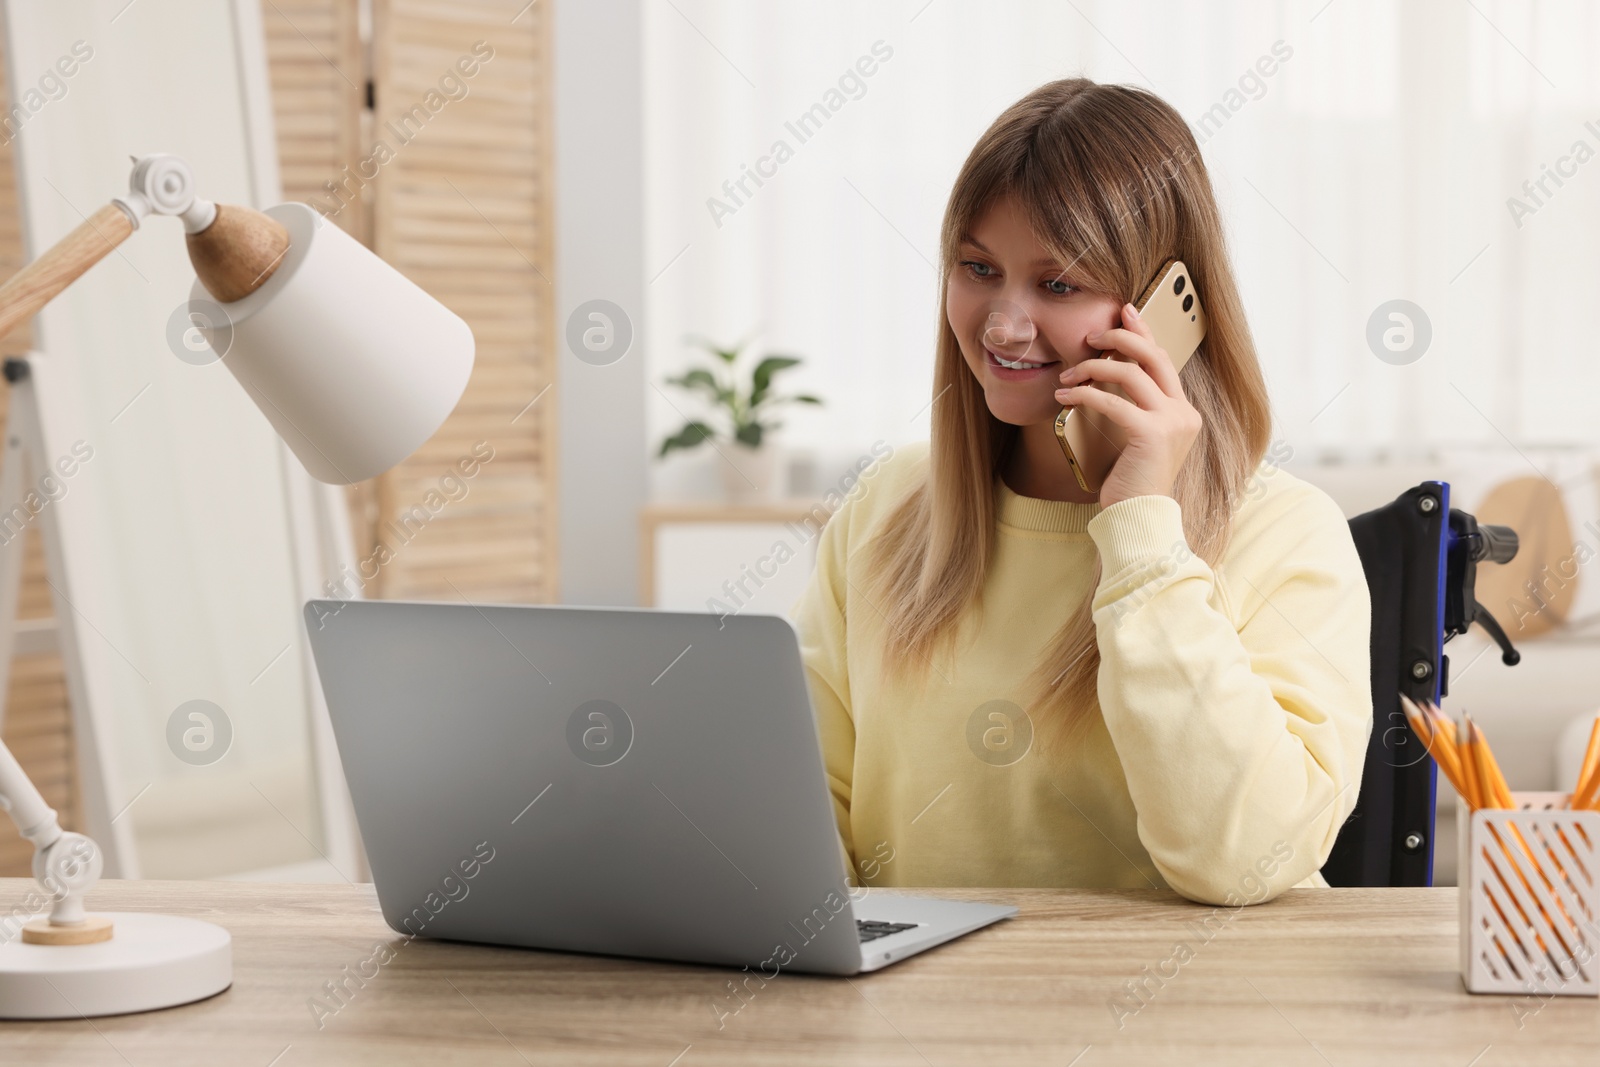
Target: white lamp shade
353,364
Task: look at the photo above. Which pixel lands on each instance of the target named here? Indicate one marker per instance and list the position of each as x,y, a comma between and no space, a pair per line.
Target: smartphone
1171,308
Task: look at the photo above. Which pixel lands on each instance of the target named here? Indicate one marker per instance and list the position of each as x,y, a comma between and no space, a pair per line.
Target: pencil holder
1530,899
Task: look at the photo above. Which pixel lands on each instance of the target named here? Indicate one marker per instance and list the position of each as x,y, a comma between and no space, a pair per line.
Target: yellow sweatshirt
1235,702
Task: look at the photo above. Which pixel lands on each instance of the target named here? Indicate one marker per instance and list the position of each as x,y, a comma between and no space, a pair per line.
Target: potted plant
744,414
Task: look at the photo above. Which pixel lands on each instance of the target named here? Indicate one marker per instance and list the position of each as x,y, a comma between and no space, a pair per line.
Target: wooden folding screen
448,178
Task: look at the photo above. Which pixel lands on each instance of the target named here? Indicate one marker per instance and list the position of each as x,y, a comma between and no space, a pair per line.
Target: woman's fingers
1130,376
1134,340
1124,413
1132,320
1136,351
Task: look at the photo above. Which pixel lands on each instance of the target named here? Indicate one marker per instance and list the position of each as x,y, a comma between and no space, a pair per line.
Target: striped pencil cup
1530,897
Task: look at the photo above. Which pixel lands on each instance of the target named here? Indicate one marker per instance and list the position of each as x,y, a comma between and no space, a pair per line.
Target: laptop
627,782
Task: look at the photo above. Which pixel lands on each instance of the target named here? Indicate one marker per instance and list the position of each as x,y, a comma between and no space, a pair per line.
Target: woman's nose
1008,325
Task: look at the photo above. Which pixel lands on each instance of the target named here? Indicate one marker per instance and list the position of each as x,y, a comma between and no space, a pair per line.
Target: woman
1020,684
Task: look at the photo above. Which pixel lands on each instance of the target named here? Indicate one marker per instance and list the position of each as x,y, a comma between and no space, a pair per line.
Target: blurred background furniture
720,556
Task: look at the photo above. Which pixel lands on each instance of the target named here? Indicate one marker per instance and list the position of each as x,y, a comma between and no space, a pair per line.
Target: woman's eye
978,270
1058,287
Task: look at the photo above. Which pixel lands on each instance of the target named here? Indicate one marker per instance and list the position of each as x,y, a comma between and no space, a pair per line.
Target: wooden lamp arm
35,285
234,249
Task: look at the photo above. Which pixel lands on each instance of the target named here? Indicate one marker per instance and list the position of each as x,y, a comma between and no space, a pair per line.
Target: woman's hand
1158,419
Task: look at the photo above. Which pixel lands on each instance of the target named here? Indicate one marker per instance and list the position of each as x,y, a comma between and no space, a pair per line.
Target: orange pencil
1496,792
1589,795
1587,780
1444,722
1491,783
1443,753
1501,788
1469,768
1441,724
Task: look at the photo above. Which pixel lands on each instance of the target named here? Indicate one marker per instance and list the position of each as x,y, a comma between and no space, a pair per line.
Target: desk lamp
355,367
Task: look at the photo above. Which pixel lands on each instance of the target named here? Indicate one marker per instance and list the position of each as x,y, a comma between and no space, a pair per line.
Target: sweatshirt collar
1042,516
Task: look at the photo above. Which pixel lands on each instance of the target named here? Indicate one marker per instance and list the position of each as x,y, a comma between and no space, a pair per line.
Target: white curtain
1375,162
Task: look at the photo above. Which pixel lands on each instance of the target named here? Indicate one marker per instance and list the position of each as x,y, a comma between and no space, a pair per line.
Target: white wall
599,252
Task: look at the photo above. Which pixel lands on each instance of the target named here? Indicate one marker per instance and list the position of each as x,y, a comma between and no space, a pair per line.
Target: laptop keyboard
872,929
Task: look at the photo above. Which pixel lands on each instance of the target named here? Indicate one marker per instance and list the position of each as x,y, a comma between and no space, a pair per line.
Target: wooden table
1337,977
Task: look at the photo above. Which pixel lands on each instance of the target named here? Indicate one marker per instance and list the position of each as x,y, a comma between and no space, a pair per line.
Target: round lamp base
151,961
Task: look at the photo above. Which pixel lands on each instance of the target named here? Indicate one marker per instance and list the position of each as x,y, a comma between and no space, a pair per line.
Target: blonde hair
1113,184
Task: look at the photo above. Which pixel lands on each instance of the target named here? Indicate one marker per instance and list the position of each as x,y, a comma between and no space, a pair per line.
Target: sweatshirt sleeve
819,620
1241,720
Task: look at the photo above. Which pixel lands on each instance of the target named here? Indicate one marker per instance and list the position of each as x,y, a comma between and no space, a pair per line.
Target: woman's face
1009,299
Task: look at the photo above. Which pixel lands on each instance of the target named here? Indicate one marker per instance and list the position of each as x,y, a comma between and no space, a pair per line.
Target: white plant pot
749,474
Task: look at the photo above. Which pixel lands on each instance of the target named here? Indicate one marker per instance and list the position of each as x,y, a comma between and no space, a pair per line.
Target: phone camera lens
1188,302
1177,286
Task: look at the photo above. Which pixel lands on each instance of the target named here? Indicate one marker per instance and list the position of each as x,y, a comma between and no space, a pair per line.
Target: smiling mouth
1015,364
